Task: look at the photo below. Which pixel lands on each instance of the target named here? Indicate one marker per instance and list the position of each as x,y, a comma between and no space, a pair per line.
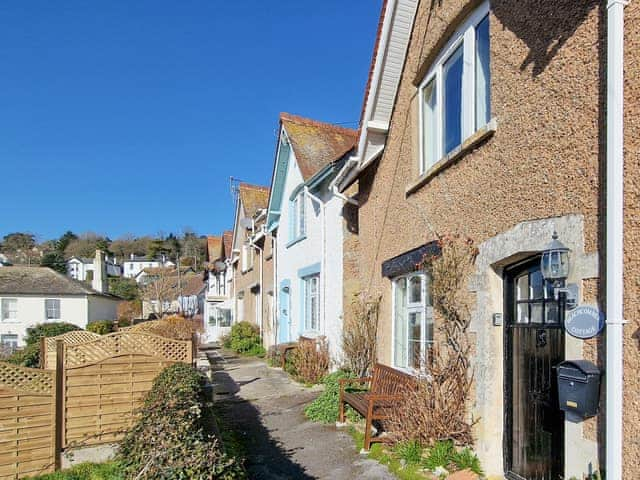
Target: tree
20,247
86,245
125,288
63,242
54,260
158,289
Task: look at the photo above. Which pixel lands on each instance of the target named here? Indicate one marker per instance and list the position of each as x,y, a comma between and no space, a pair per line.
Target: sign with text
584,322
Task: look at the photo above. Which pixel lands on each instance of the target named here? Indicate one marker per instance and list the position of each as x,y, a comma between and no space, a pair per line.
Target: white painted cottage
33,295
305,214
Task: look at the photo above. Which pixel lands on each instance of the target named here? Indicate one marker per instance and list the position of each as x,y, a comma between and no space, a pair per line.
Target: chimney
99,282
131,256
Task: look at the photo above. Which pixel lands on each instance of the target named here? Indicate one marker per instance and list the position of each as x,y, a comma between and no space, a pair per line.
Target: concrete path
265,409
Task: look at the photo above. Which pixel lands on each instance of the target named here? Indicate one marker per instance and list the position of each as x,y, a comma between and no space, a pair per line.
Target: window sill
295,240
250,269
470,144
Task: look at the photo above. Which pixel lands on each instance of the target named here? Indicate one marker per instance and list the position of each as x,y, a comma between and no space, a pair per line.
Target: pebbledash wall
540,167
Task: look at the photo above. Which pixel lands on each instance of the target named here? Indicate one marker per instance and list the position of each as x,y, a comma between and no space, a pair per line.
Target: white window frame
9,341
5,309
308,296
427,317
465,35
297,211
47,309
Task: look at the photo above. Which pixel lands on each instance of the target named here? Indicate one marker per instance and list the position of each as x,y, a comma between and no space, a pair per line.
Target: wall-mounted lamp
554,265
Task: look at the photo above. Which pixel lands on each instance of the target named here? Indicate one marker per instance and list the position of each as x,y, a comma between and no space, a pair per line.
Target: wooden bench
386,385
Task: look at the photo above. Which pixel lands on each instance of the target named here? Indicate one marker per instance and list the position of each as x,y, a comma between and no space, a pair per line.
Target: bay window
412,321
455,94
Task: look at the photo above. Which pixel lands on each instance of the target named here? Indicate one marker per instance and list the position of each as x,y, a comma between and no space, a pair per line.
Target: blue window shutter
302,311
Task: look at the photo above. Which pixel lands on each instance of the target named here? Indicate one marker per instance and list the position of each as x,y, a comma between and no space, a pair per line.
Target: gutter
615,237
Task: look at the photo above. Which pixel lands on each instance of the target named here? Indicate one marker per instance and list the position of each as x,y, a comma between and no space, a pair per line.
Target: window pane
537,313
415,339
452,109
523,313
537,285
415,289
522,287
483,74
400,324
429,125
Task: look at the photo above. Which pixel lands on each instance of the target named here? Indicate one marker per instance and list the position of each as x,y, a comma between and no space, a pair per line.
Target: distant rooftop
41,281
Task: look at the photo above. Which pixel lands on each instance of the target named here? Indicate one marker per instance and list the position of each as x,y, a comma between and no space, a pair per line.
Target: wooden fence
28,419
105,380
89,398
48,345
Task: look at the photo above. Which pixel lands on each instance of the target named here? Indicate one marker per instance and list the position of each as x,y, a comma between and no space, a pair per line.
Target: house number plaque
584,322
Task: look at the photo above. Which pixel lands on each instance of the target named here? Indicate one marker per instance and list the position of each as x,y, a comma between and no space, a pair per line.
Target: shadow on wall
542,25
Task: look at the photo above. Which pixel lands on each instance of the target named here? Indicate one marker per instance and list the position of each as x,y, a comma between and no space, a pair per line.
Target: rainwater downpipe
323,265
614,237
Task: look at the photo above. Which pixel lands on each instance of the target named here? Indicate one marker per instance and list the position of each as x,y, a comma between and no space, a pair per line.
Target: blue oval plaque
584,322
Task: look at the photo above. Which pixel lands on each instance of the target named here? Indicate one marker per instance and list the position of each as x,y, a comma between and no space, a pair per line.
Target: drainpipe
260,293
323,265
614,236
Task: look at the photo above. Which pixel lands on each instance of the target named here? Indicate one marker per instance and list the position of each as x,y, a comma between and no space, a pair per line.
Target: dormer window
455,94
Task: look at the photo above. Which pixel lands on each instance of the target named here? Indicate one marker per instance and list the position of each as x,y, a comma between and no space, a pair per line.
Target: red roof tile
214,248
316,144
253,198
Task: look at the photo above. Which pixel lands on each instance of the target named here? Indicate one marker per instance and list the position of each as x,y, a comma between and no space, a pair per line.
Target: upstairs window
52,309
297,214
9,309
455,94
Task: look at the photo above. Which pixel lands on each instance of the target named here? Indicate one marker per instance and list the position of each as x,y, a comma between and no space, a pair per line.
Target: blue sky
130,116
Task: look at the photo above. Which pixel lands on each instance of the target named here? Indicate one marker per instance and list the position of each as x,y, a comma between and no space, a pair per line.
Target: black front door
534,344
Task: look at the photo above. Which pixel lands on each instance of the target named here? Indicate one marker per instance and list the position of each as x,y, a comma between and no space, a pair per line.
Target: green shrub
440,455
326,408
172,439
86,471
102,327
125,288
29,356
465,458
245,339
409,451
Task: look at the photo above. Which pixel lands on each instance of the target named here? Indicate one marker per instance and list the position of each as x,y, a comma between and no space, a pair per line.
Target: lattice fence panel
101,399
70,338
27,421
122,343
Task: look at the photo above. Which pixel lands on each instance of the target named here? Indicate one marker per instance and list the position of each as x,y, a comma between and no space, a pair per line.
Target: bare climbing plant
435,409
359,337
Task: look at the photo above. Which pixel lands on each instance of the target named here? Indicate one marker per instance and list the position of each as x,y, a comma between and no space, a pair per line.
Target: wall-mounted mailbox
579,387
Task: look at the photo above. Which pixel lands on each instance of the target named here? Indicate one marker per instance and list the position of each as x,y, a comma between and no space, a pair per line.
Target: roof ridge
256,187
290,117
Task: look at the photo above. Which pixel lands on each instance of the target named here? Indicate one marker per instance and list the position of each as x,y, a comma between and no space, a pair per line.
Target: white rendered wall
31,312
102,308
308,252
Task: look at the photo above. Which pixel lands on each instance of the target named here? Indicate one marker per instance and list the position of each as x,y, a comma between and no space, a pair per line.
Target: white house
132,266
33,295
218,307
305,214
78,268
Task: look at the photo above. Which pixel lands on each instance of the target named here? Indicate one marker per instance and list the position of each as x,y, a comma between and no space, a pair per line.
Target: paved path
265,408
